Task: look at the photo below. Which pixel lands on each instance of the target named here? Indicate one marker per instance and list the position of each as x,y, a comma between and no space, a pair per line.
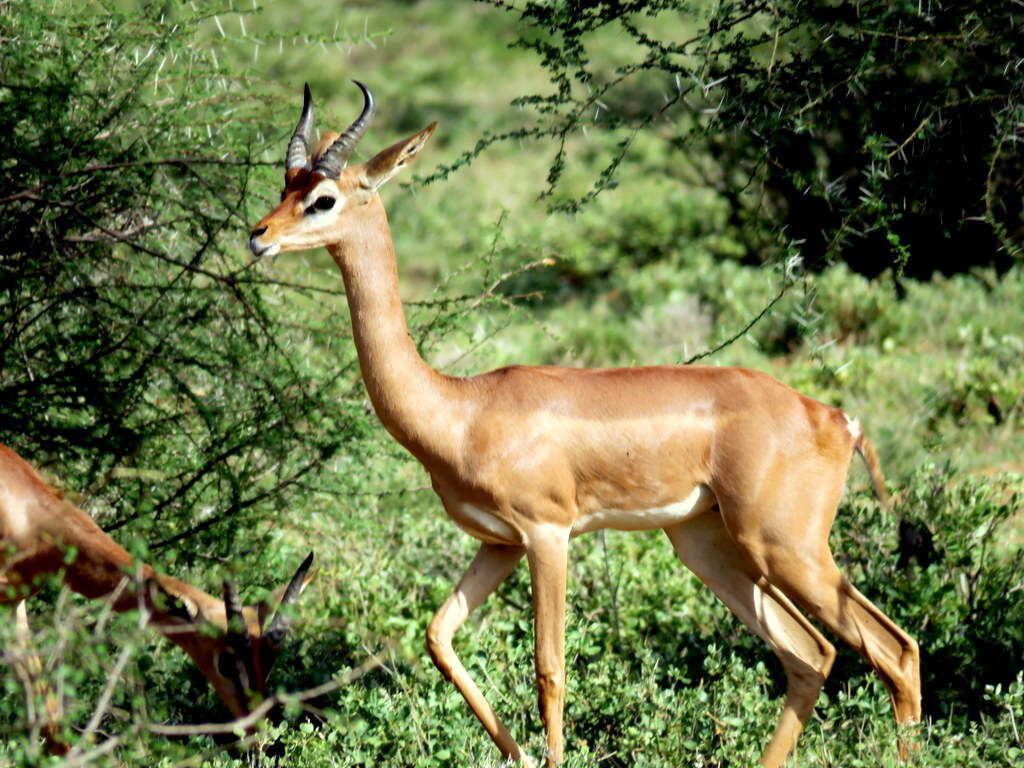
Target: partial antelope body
42,533
743,473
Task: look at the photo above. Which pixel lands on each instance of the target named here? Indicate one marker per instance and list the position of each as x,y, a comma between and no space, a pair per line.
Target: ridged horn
334,158
277,628
298,147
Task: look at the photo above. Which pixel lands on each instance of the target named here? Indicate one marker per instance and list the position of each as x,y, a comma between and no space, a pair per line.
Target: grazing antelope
41,533
743,473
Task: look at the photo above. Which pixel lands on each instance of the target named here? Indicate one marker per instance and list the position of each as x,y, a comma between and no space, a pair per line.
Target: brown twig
244,723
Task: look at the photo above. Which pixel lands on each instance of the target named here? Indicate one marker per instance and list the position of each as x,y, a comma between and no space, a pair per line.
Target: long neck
420,407
51,535
100,565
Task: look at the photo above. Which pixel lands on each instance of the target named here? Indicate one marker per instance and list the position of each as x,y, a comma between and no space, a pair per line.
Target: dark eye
275,636
323,203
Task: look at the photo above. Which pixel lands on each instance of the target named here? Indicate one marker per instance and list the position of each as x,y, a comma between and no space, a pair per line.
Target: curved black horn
278,626
334,158
233,609
298,147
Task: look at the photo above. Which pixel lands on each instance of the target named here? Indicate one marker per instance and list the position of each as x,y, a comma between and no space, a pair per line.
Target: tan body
743,473
631,449
41,534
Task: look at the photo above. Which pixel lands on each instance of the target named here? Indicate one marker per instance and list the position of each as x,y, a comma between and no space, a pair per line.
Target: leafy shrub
986,388
884,134
966,610
139,351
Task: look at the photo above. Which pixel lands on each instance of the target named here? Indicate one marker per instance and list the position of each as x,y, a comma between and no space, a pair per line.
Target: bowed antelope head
234,646
321,188
42,533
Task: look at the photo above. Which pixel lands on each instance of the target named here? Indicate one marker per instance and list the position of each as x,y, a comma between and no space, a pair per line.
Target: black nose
258,231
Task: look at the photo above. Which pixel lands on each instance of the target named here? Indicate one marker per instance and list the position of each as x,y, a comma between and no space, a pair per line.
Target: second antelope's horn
334,158
278,626
298,147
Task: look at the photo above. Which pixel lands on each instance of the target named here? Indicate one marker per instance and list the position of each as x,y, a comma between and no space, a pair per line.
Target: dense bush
964,609
880,133
139,352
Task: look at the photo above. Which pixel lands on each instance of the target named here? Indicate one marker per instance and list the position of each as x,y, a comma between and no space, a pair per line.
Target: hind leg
824,592
788,542
706,547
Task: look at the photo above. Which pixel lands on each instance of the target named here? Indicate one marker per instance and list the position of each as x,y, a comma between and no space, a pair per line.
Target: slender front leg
29,667
25,661
490,567
548,556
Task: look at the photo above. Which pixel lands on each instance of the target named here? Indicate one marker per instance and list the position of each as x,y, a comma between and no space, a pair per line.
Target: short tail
866,450
916,540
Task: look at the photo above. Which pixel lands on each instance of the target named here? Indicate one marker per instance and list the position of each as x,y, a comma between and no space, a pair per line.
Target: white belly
483,525
486,526
646,519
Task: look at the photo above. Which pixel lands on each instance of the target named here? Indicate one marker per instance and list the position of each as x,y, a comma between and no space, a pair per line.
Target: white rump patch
853,427
697,502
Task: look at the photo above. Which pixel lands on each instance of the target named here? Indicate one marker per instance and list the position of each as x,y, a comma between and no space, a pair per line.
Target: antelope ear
393,159
168,599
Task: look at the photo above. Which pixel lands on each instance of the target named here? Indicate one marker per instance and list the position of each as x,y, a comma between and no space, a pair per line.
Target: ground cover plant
210,416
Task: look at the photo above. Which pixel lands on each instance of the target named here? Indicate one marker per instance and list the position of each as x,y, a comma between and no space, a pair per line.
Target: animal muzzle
260,249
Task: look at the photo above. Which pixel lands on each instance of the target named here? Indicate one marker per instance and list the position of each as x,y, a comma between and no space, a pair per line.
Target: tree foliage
882,133
139,349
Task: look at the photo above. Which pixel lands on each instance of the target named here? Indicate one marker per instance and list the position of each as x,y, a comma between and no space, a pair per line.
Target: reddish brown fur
39,531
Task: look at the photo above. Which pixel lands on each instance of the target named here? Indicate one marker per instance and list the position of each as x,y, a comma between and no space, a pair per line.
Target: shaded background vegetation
139,351
876,133
684,169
